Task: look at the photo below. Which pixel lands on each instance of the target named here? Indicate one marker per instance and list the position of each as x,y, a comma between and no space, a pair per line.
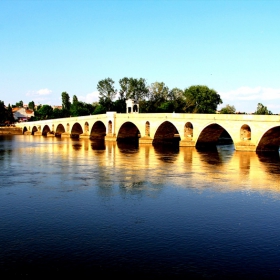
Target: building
22,114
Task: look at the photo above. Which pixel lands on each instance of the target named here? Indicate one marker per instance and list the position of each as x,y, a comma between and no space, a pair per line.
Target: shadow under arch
167,134
270,141
128,133
213,135
46,130
24,130
34,129
76,130
59,130
98,131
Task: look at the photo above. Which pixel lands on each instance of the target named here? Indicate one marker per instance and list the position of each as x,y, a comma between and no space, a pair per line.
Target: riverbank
10,130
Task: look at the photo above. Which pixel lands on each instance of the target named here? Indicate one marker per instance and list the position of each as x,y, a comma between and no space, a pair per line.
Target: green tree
228,110
2,112
18,104
131,88
45,112
262,110
31,105
158,97
201,99
66,104
9,115
107,93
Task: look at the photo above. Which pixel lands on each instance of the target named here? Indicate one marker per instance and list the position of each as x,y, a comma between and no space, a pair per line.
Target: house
22,114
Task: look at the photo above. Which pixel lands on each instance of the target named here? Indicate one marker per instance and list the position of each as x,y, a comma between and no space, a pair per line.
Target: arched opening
128,133
167,133
188,130
76,130
34,129
24,130
147,129
86,127
211,136
98,131
245,132
46,130
59,130
270,141
135,108
110,127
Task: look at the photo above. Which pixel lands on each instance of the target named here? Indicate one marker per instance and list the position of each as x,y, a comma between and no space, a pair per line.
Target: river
76,207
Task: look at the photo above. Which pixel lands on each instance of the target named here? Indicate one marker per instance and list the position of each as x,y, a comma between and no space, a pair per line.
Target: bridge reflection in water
209,168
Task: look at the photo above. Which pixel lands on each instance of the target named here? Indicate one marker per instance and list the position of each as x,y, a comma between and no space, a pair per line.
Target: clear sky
48,47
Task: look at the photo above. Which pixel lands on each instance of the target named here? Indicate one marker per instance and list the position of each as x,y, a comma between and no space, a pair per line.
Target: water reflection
75,205
222,168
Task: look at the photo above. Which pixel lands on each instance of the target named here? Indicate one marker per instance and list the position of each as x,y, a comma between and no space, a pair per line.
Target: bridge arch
188,130
210,135
166,133
245,132
76,130
147,128
270,140
98,131
24,130
46,130
34,129
59,130
128,132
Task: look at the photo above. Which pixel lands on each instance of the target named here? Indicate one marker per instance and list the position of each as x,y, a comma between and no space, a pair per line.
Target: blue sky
48,47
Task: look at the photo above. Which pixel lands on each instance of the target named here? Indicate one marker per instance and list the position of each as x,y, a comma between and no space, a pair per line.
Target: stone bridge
247,132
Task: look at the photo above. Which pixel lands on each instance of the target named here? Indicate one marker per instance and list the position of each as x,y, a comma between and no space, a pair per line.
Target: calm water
77,207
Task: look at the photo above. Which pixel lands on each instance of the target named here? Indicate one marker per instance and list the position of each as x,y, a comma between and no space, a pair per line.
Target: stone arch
188,130
270,141
110,127
46,130
98,131
166,133
34,129
128,132
76,130
24,130
59,130
209,137
147,129
245,132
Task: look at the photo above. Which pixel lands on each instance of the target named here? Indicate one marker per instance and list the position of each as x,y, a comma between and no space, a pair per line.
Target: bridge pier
37,133
65,135
111,137
245,146
146,140
84,136
187,143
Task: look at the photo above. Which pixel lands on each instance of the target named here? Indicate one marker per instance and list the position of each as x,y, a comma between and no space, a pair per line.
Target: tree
107,93
2,112
31,105
201,99
45,112
159,93
131,88
66,104
18,104
262,110
228,109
